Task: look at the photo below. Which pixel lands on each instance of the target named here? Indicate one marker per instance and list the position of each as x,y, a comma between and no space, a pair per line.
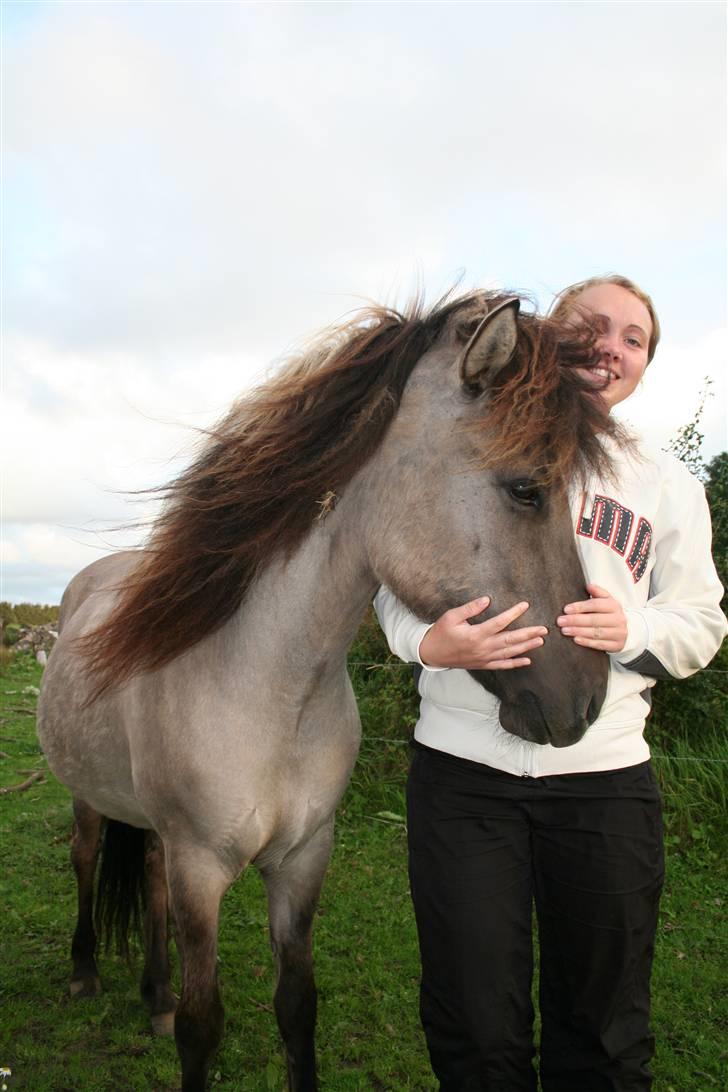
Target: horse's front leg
293,892
85,846
155,987
196,886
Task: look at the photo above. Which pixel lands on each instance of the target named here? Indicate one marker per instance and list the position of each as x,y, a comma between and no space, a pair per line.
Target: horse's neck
302,614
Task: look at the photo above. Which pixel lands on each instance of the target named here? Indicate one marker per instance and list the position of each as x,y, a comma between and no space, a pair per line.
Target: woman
497,824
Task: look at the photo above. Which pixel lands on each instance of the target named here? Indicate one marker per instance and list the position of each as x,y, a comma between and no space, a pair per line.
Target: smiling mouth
603,373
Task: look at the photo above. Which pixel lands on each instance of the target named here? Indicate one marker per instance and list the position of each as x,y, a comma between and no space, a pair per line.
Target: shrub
11,632
7,613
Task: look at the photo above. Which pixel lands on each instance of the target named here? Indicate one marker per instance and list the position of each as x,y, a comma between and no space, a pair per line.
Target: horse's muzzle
527,718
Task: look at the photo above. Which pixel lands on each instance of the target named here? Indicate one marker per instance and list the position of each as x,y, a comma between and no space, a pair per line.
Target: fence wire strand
400,663
702,759
654,757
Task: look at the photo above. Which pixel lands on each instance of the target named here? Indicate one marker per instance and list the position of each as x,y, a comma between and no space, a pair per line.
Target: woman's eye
526,492
634,342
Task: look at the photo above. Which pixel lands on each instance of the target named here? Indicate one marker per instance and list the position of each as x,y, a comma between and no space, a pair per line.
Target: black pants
484,846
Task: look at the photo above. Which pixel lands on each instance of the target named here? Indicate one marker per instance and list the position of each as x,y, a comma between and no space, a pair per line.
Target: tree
688,440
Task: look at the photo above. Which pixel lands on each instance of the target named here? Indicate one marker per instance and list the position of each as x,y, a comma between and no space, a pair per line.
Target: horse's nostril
593,710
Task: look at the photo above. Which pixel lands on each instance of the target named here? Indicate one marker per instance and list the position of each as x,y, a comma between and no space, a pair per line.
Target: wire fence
401,664
656,757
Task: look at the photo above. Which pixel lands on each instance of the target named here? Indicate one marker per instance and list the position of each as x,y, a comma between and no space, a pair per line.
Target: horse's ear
491,346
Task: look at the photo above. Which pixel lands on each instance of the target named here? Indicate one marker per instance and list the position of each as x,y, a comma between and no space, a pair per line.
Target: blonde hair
566,298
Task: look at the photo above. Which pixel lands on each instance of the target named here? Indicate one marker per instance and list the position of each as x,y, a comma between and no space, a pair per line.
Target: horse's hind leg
85,846
155,988
196,885
293,891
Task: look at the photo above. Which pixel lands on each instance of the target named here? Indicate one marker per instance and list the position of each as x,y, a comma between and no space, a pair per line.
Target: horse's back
100,576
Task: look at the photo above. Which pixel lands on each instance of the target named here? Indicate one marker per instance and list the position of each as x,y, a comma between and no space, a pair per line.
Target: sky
191,189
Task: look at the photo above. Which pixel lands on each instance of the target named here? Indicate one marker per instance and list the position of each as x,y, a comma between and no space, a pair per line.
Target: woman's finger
601,645
501,652
513,636
506,665
590,621
505,648
500,621
468,610
597,592
591,606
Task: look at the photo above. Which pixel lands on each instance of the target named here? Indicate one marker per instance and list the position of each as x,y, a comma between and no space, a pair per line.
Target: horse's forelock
541,411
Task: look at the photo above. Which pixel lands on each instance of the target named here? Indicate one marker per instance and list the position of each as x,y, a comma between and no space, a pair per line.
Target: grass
366,954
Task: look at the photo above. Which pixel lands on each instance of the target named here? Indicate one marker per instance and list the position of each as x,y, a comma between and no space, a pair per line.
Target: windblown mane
263,475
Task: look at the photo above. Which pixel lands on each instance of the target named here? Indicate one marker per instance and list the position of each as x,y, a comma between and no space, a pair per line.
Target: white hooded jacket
645,538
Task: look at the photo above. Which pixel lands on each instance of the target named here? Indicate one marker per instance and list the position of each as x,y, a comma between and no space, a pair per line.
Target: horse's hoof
85,987
163,1024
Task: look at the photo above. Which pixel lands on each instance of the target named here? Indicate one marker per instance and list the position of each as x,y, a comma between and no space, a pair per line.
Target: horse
197,703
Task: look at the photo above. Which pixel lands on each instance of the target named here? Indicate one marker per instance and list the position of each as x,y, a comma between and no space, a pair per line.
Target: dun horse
199,692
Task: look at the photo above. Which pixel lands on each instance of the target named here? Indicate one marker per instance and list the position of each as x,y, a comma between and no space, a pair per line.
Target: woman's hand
598,622
454,642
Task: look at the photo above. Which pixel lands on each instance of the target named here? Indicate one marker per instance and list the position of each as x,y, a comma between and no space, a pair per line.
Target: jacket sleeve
681,627
403,630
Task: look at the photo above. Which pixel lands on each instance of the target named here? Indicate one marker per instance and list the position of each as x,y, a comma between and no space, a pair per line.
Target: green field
366,957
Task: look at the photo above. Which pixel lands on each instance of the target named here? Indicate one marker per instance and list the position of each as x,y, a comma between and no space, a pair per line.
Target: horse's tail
120,893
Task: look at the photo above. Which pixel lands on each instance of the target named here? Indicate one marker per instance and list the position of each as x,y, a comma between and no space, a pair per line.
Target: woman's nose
610,348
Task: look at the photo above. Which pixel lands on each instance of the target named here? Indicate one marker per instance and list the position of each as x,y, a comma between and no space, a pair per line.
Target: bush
388,705
35,614
388,699
691,708
716,488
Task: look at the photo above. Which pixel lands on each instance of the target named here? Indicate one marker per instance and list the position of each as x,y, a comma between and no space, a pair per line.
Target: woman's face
624,343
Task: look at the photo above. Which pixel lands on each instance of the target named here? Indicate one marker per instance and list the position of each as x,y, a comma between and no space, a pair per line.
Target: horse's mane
266,469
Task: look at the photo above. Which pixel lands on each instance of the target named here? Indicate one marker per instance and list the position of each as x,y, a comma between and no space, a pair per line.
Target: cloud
191,178
38,561
85,428
194,188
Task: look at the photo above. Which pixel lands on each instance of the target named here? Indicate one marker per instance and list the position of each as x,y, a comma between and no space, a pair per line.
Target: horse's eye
526,492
